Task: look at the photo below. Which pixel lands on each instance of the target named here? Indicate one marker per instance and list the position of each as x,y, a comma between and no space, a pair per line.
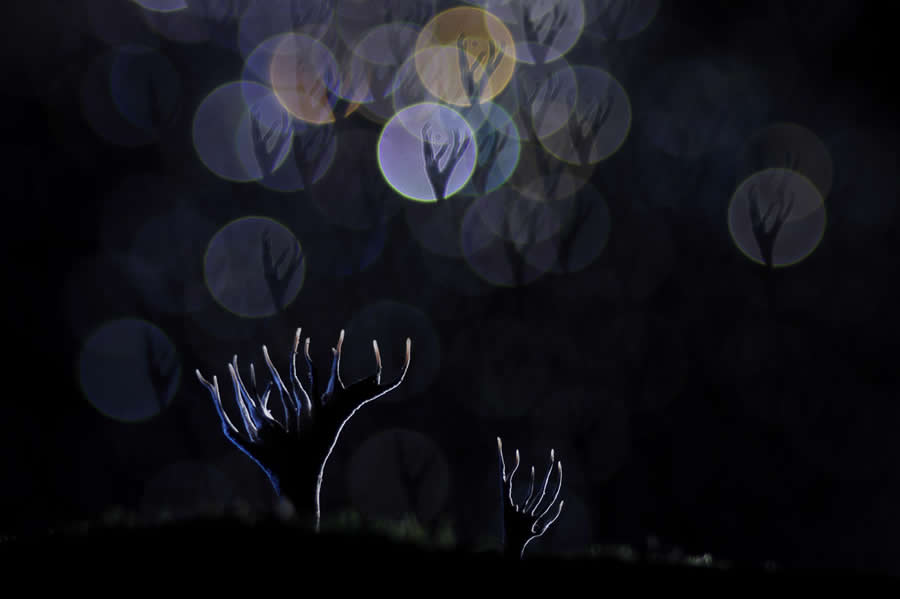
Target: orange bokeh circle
299,71
437,56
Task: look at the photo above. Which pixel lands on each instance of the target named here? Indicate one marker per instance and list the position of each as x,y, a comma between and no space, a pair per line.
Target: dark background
686,403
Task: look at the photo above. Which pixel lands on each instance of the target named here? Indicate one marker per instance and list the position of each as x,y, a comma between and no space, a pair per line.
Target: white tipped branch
258,409
553,519
556,494
334,377
502,461
537,501
213,389
302,402
282,389
377,362
249,426
512,474
249,399
337,366
530,491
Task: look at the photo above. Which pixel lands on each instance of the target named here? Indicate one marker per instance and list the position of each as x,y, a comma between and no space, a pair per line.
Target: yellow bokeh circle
438,57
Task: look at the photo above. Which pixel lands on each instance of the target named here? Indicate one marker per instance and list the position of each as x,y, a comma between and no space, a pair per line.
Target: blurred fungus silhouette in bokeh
427,152
254,267
465,55
777,217
133,355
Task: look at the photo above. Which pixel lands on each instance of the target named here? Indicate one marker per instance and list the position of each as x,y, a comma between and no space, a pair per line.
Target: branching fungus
522,523
293,450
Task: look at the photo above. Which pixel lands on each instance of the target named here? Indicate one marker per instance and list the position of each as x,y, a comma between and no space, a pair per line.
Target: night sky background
693,395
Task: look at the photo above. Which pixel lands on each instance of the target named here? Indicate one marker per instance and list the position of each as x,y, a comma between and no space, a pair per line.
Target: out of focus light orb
310,156
498,151
385,48
401,150
303,71
548,94
270,133
105,115
266,18
516,218
774,188
407,88
544,30
258,64
129,370
542,177
388,44
438,60
508,239
793,147
599,123
254,267
354,83
221,120
144,86
354,19
585,231
161,5
613,20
